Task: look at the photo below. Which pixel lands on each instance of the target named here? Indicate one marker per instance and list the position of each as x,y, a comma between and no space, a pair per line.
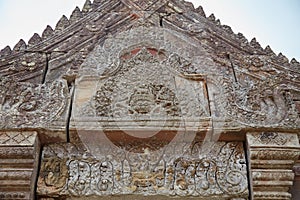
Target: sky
272,22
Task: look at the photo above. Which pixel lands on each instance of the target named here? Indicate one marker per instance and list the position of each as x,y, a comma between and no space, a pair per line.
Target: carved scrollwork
143,91
79,178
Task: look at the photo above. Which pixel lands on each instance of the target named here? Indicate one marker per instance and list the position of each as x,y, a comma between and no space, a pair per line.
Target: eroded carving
246,92
273,139
33,106
180,51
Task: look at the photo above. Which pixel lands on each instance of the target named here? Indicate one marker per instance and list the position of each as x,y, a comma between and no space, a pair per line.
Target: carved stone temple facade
129,99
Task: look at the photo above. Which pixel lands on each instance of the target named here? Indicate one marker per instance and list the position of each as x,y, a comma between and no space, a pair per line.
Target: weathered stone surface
19,157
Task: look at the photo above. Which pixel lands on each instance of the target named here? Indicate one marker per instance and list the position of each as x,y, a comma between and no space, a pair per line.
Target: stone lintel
174,171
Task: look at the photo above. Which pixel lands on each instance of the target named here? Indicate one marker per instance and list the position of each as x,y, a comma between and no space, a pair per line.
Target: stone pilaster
272,156
19,155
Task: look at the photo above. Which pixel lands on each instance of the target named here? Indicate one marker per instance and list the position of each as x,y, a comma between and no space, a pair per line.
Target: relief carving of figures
143,93
144,87
180,64
25,104
221,172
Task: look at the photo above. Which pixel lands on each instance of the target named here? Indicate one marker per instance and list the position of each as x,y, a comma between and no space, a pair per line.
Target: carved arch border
165,40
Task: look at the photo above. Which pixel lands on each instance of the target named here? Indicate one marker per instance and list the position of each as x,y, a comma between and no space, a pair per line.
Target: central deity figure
142,100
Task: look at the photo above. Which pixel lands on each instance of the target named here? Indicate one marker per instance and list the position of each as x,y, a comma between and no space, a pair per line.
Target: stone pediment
139,77
142,59
224,57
